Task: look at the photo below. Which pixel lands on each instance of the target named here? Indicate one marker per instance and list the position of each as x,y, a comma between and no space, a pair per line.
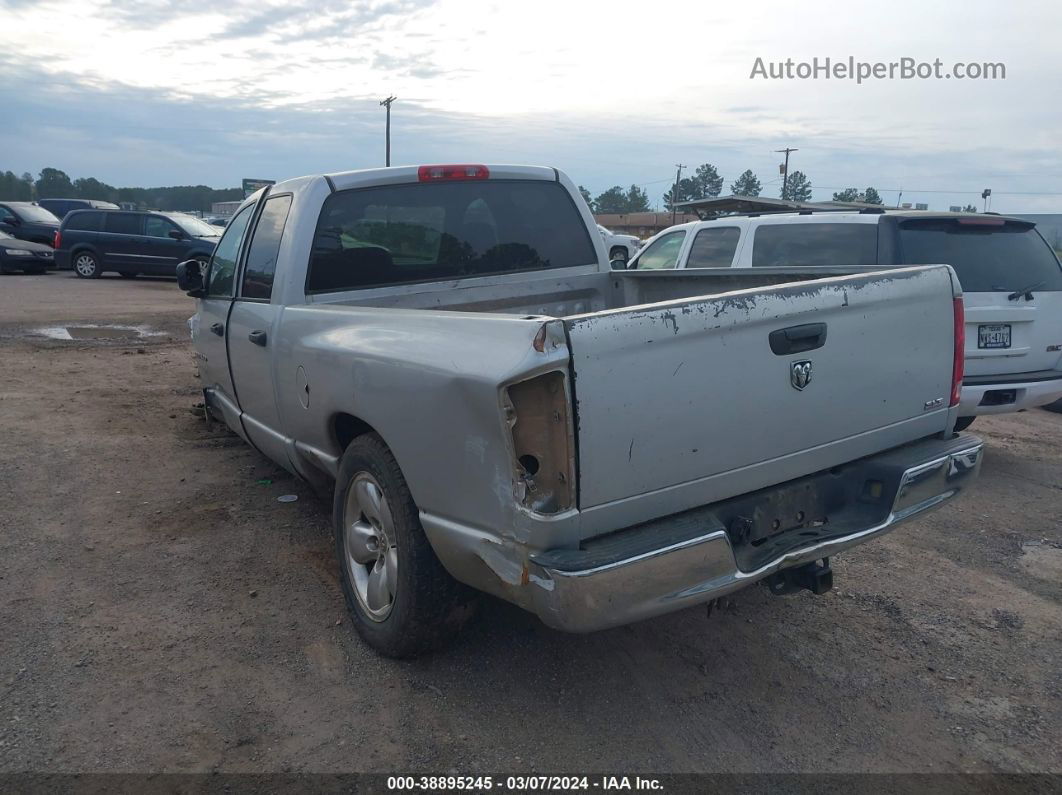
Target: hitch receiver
816,577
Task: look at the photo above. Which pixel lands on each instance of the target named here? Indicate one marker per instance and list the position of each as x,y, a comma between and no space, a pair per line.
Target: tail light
57,238
537,412
960,352
452,172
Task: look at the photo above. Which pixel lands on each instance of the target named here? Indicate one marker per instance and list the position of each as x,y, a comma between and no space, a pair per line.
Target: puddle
91,332
1041,560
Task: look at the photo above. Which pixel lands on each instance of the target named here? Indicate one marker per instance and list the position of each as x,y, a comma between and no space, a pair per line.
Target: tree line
707,183
52,183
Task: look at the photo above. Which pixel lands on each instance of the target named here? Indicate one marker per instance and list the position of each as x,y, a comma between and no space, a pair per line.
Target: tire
128,274
401,599
619,253
962,423
86,265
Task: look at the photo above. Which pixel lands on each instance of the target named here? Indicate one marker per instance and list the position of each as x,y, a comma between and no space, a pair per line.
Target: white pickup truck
446,348
1011,281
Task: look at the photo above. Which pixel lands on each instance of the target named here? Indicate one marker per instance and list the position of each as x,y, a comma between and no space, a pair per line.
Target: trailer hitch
816,577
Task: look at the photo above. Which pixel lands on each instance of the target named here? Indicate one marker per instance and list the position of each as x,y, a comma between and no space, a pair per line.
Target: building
641,225
224,209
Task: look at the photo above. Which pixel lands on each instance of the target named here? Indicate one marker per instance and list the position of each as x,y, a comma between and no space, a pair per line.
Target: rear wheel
402,601
963,423
86,265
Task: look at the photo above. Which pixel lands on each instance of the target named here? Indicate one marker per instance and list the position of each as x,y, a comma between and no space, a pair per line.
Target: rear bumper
625,577
1002,396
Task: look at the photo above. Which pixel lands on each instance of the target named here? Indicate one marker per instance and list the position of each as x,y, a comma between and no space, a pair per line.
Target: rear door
1012,289
770,383
213,318
252,331
119,241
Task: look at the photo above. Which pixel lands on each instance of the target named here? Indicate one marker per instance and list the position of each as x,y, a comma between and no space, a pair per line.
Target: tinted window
445,230
1001,258
662,253
82,221
223,262
262,255
781,245
121,223
156,226
714,247
6,214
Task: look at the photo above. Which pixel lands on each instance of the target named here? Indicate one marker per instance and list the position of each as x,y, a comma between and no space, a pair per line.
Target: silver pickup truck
447,349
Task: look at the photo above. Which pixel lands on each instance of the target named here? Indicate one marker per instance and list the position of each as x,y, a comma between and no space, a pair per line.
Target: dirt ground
160,610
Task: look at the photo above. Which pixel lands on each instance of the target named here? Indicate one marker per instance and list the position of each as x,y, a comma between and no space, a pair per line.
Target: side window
157,226
662,253
714,247
223,263
122,223
82,222
6,214
265,245
785,245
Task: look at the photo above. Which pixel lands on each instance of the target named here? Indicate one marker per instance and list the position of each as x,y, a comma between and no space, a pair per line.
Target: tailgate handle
797,339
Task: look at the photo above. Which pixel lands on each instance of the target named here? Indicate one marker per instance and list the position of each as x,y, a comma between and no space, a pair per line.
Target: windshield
1002,257
193,226
31,212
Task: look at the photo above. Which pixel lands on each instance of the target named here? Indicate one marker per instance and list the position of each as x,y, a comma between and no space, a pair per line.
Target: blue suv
131,243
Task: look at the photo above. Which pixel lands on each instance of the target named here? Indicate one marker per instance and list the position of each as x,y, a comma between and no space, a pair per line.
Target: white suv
1011,279
621,247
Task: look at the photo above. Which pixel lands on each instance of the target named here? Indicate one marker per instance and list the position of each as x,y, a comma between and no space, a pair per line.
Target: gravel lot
161,611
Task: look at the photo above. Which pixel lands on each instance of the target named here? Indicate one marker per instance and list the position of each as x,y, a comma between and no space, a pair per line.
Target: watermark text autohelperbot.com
861,71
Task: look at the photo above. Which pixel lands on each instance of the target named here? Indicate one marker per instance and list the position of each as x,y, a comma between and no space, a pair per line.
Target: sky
176,92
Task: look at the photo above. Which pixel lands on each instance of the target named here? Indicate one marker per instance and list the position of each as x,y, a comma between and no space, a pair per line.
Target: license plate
994,336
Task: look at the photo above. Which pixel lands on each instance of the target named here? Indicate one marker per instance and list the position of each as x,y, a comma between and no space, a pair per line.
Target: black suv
152,243
60,207
27,221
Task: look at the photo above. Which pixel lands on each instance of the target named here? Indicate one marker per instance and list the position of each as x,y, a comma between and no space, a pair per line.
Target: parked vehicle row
1011,280
131,243
496,411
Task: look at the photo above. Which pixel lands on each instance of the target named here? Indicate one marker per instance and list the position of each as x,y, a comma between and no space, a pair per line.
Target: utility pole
785,168
387,103
674,190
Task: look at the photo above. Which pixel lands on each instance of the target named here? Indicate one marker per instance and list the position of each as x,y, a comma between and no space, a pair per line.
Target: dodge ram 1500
446,349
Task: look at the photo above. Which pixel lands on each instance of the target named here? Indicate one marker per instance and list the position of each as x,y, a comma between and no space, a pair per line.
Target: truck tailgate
674,392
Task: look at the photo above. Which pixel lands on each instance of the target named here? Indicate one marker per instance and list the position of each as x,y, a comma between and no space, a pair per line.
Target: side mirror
177,234
618,264
191,278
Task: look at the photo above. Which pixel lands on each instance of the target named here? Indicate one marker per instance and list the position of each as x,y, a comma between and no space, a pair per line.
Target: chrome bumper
704,567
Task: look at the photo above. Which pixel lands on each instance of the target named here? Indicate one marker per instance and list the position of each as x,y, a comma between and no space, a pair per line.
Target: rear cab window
988,254
398,234
811,243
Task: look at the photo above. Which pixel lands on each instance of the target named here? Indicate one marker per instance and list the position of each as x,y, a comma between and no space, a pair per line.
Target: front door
213,317
160,251
253,326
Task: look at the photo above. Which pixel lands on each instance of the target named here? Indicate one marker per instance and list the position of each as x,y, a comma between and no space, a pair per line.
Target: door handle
797,339
218,329
257,337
